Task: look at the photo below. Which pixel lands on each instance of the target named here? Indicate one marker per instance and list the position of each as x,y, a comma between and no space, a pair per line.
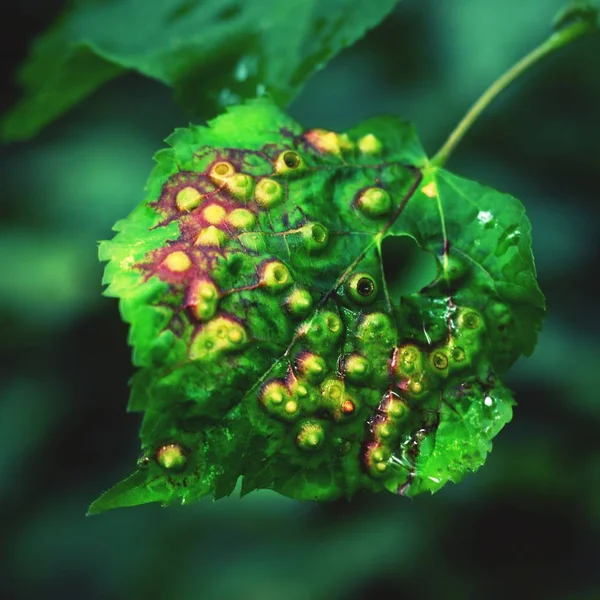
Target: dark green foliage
212,52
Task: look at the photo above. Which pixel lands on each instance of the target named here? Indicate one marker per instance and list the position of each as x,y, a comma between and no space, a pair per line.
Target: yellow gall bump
171,457
187,199
301,390
469,319
356,367
218,336
324,141
439,360
291,407
203,299
268,193
410,359
332,389
375,202
430,190
310,436
379,455
240,186
457,354
275,276
333,322
385,430
235,336
376,327
289,163
274,393
220,172
377,459
397,409
177,262
214,214
362,288
417,386
409,354
312,366
345,142
315,236
369,144
241,218
299,303
211,237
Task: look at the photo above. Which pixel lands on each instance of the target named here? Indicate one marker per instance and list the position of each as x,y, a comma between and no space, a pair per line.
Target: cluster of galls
388,385
418,378
339,372
218,213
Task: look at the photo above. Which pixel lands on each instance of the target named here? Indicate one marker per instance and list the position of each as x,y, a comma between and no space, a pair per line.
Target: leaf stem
554,42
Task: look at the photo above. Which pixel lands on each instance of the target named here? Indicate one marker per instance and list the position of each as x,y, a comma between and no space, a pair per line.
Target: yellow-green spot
275,276
315,235
356,367
211,236
469,319
430,190
299,302
220,172
221,335
369,144
324,141
375,202
375,327
177,262
214,214
312,366
397,409
273,394
362,288
311,436
171,457
268,193
187,199
438,360
241,218
289,163
332,390
240,186
204,298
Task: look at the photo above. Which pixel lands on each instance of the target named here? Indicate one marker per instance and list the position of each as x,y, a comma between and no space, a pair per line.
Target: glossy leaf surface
270,342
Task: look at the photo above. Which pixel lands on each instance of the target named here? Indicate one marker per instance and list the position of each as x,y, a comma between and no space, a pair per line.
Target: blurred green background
526,526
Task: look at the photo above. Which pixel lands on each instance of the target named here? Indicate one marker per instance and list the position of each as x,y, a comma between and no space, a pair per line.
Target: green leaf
270,343
212,52
587,11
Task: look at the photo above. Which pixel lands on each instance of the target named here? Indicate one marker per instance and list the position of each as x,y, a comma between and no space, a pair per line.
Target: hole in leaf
407,268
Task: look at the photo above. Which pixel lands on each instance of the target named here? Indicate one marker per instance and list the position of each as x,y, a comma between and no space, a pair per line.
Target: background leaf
578,10
212,52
